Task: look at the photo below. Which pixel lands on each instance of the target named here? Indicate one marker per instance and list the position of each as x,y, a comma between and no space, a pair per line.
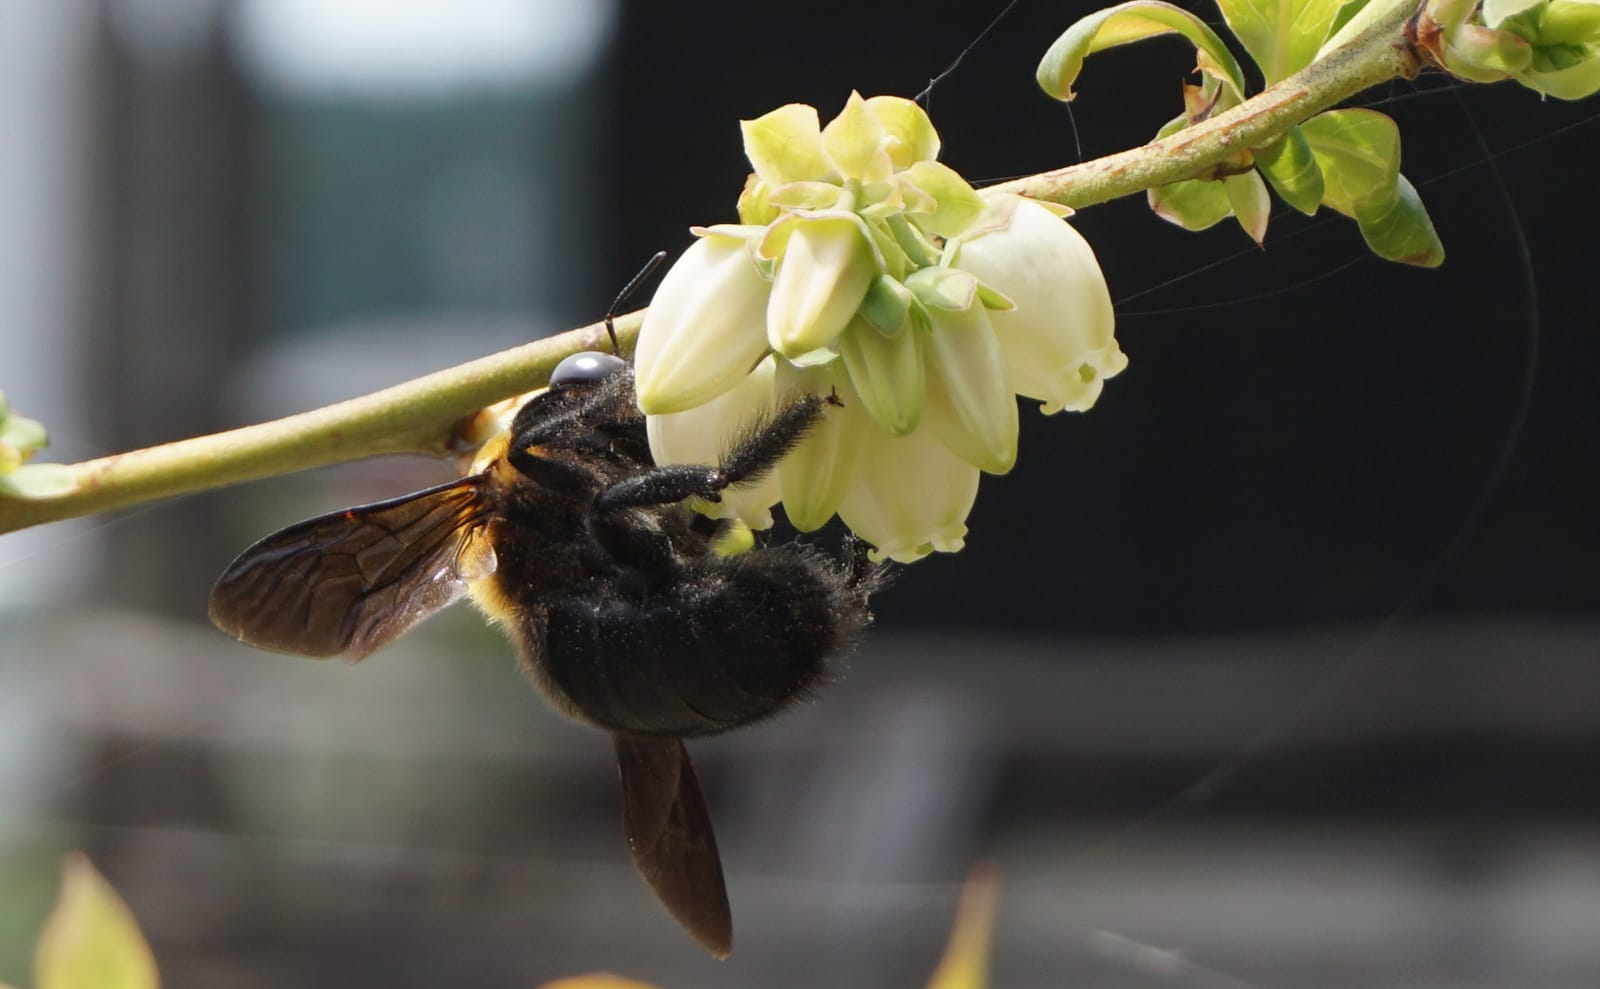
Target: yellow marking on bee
494,448
491,599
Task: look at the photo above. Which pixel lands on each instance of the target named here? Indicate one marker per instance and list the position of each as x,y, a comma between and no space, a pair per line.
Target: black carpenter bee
624,615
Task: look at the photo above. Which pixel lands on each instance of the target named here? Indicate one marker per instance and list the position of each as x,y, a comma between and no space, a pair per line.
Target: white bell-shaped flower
703,331
1058,338
911,496
868,272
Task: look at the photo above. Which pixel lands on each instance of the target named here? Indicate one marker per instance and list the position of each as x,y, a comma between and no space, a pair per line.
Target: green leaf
1124,24
1396,226
1569,22
1291,168
1478,54
1346,11
91,940
1574,83
1281,35
1563,47
1357,16
1495,11
1193,205
1358,152
1252,207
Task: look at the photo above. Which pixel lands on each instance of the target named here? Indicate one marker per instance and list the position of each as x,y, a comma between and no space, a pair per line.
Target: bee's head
588,392
585,368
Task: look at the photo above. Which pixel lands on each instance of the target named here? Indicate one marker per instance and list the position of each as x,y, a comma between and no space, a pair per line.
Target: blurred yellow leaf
91,940
966,960
599,980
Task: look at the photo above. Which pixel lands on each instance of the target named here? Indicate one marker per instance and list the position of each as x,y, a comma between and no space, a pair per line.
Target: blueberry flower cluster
864,269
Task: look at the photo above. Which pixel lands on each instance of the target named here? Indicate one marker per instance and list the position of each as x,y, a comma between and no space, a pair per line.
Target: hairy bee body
571,538
633,623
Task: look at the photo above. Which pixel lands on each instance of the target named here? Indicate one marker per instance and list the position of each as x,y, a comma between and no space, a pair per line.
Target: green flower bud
970,406
887,374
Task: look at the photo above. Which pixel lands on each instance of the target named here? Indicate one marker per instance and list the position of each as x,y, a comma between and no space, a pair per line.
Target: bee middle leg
755,453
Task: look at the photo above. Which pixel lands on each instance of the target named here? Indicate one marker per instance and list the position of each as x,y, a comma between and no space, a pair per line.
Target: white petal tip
951,541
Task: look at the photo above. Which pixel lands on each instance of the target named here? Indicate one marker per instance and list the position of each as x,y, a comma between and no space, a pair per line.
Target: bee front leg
754,453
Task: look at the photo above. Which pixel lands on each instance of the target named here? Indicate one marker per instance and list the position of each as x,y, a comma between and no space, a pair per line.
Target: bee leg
753,454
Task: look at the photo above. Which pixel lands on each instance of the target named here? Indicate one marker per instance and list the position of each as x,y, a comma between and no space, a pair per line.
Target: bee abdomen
728,642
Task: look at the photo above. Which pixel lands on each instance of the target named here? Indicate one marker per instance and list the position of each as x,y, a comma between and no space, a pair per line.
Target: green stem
1378,53
422,416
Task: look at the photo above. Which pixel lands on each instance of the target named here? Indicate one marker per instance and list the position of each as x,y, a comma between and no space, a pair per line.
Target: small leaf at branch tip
1121,25
38,482
1193,204
1252,207
1290,167
1282,36
1396,226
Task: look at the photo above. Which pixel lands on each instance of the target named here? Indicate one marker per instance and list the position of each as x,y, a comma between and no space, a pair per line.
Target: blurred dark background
1279,668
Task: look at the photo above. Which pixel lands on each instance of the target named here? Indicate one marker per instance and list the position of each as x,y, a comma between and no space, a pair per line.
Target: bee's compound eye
585,368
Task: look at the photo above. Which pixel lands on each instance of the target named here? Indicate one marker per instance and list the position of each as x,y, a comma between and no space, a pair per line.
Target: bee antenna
649,269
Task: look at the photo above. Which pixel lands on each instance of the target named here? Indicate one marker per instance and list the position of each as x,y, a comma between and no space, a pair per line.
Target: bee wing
668,829
350,582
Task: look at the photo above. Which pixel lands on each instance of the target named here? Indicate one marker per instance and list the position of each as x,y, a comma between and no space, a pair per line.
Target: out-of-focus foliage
20,438
966,958
91,940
